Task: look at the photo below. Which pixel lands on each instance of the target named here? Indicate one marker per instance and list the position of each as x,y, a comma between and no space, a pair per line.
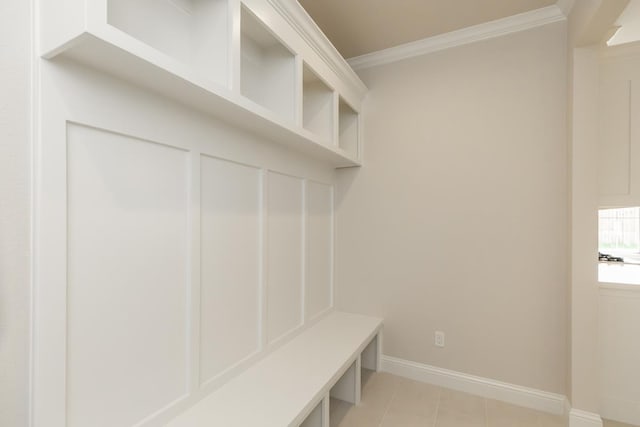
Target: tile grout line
435,418
486,412
395,392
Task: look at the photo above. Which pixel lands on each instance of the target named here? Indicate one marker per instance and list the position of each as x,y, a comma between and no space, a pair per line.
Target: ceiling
356,27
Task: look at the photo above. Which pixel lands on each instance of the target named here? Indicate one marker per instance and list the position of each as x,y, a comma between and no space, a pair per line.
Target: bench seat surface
288,382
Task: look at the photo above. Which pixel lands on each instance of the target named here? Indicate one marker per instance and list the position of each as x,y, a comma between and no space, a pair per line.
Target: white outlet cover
439,339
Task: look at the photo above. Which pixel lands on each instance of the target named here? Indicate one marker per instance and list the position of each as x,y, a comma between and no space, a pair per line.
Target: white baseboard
578,418
510,393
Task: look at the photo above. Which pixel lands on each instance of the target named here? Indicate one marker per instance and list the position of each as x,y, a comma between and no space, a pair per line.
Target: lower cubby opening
316,417
369,356
344,394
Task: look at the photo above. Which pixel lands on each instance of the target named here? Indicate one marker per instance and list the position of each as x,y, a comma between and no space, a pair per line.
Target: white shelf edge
148,68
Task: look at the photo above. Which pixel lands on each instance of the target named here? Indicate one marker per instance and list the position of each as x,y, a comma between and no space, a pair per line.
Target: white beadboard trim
306,27
485,387
579,418
500,27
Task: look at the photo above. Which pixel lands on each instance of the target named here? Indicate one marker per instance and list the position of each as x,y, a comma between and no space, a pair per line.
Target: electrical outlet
439,339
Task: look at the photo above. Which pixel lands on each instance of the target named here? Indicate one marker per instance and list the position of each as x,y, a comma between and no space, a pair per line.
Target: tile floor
392,401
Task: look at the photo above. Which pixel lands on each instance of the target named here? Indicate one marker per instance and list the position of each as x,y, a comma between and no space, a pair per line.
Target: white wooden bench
292,385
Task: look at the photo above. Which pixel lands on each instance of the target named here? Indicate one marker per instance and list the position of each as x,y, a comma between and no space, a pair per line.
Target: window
619,233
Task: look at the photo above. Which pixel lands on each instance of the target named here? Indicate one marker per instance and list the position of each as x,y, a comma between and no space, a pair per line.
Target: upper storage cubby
348,129
268,68
317,105
193,32
261,66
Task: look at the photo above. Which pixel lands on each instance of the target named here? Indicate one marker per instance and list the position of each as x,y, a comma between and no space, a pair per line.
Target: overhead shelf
185,50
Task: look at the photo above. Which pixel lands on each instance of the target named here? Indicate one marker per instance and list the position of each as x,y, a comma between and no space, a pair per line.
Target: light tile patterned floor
392,401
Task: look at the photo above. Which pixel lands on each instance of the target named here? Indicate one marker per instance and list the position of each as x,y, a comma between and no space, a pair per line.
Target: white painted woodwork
285,387
268,73
127,285
230,264
216,56
348,129
194,32
219,170
615,147
319,249
348,386
318,105
619,136
285,255
619,352
183,212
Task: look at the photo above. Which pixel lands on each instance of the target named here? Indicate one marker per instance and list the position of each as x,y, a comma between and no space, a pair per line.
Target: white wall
457,221
15,174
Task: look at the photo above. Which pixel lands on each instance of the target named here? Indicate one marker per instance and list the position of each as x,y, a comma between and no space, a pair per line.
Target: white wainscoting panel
620,352
285,250
319,252
231,218
128,283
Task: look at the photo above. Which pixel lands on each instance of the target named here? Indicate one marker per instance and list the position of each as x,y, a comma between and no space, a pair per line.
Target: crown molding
306,27
497,28
625,49
565,6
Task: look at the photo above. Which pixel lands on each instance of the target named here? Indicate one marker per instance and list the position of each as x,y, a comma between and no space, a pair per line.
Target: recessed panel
615,143
284,255
319,236
127,278
230,264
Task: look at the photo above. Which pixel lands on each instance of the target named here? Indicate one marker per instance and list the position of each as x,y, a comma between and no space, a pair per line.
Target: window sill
618,273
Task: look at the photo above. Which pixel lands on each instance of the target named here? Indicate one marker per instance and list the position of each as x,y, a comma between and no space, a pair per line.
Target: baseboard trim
485,387
578,418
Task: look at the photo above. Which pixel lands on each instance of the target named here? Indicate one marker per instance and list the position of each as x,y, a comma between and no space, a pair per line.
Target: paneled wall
175,250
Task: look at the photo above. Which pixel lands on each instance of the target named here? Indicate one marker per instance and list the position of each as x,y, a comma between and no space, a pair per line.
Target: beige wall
14,210
457,221
584,232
